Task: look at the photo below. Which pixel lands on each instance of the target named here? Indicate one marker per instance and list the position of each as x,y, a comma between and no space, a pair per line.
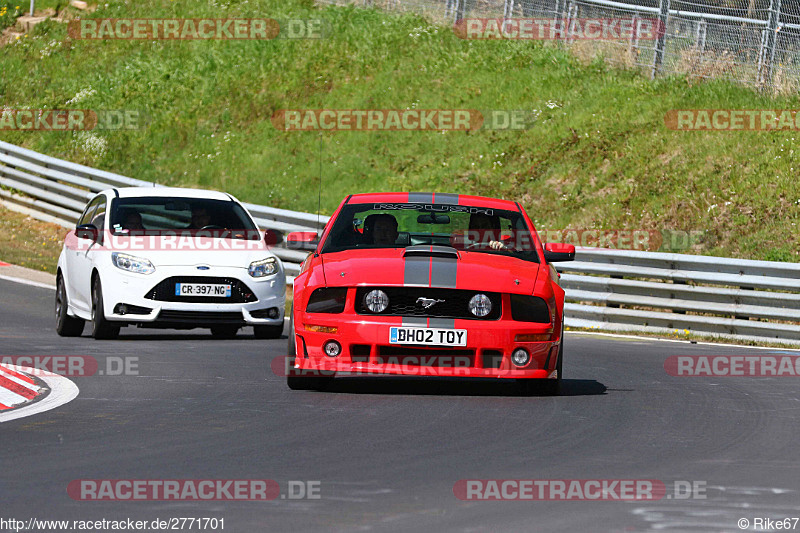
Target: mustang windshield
469,228
165,215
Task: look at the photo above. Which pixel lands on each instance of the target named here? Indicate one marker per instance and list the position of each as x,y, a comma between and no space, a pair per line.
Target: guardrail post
572,14
700,37
663,17
633,41
508,10
558,14
768,43
457,9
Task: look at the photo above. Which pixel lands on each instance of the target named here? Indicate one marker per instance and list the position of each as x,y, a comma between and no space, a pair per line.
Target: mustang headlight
132,263
480,305
327,300
531,309
376,301
264,267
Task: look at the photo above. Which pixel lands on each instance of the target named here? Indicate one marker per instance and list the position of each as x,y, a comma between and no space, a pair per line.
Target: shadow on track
436,386
168,336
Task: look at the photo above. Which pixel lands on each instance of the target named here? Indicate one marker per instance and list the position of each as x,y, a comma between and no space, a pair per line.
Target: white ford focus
170,258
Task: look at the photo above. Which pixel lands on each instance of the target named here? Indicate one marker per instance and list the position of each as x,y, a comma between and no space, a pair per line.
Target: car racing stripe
445,198
417,271
437,272
443,272
431,271
420,197
443,323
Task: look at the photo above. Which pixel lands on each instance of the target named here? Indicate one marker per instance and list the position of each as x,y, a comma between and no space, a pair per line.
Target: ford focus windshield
468,228
198,216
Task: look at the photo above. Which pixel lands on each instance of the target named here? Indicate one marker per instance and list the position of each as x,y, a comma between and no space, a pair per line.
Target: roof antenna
319,191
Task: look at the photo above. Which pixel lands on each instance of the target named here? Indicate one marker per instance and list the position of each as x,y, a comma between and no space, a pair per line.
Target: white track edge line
28,282
703,343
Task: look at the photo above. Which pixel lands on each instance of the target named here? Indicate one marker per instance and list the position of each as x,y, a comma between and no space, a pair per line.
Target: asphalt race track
387,452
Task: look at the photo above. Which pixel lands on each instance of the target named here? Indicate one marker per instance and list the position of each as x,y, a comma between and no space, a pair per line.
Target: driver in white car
200,217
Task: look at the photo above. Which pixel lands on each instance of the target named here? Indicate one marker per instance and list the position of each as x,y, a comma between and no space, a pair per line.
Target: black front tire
553,386
101,328
224,332
296,382
546,387
66,326
268,332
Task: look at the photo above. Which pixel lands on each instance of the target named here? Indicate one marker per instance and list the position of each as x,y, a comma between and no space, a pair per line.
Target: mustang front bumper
365,347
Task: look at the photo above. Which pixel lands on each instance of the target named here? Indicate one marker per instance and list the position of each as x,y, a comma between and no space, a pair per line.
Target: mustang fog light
480,305
332,348
132,263
264,267
376,301
520,357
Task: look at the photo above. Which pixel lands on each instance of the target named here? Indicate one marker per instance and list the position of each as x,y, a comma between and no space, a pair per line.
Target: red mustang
428,284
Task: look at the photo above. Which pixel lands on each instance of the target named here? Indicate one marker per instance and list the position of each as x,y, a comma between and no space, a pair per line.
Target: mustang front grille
428,302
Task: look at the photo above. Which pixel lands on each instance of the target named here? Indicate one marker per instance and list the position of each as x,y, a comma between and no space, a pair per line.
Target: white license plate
202,289
428,336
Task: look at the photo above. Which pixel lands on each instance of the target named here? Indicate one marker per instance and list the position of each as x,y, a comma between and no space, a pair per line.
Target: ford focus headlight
132,263
264,267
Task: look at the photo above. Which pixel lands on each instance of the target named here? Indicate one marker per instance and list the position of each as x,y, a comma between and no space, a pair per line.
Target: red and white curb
21,396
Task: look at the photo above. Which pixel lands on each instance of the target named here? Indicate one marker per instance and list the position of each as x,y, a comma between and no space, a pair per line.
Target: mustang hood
430,266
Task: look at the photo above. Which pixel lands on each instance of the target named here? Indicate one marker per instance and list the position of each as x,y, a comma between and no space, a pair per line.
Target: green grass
599,154
28,242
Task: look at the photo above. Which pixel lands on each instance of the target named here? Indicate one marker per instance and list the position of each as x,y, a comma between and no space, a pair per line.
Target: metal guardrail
661,292
56,191
606,289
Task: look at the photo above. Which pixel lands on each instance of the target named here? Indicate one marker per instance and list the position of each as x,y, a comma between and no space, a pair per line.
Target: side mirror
556,251
302,240
87,231
273,237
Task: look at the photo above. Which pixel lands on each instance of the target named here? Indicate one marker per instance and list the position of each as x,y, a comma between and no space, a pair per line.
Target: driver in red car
486,229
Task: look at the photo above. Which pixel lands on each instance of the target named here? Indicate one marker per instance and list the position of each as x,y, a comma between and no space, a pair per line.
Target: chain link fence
752,42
